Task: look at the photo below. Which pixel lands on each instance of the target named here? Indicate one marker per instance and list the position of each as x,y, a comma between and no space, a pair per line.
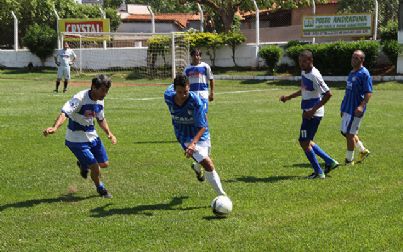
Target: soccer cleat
104,193
316,176
332,166
199,172
348,163
64,90
363,155
83,171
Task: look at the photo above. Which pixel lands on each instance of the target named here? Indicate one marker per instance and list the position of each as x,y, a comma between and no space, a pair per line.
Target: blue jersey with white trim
358,84
199,76
81,111
188,118
312,89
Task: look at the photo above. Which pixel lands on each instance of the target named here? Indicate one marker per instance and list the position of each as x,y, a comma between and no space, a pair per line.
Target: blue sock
310,154
101,186
318,151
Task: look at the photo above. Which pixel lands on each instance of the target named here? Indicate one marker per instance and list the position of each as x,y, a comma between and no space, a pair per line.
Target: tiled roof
179,18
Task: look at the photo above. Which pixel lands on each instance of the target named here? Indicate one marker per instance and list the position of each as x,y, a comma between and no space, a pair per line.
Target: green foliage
209,41
41,41
335,58
295,43
233,39
271,55
158,45
166,6
392,49
389,31
114,4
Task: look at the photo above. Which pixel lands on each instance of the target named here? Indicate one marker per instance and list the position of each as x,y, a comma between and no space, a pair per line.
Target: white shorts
202,150
350,124
63,72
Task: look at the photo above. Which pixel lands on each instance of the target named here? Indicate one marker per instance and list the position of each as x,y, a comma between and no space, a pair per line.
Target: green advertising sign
339,25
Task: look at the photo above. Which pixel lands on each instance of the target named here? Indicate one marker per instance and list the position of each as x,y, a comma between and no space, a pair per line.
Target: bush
389,32
41,40
335,58
295,43
271,55
233,39
392,49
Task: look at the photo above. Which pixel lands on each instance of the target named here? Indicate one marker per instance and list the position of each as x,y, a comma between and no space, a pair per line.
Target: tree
233,39
166,6
41,41
388,10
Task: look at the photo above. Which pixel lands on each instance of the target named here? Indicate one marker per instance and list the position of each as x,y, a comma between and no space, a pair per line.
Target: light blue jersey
188,118
358,84
199,76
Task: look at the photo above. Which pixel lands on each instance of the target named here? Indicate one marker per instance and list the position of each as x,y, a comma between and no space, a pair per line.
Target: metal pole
152,19
59,46
201,17
257,33
80,53
15,31
376,20
173,55
314,13
104,17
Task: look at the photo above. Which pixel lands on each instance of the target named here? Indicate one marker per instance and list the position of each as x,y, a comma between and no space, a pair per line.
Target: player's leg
99,152
330,163
307,133
196,167
66,78
349,128
59,78
201,155
364,152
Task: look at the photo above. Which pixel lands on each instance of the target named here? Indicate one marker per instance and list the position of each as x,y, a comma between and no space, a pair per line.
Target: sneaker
316,176
64,90
104,193
83,171
199,172
363,155
55,91
332,166
348,163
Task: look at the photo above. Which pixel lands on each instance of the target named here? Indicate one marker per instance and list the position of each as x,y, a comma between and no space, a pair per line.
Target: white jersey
81,111
312,89
64,57
199,76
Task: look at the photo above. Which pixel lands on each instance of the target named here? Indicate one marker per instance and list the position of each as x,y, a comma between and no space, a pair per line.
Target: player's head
181,86
65,45
305,60
100,86
357,59
196,56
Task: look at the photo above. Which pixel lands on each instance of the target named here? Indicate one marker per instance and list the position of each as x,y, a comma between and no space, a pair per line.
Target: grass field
159,205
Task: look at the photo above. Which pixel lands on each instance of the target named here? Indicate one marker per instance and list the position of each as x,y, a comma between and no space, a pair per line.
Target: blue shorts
309,128
88,153
205,104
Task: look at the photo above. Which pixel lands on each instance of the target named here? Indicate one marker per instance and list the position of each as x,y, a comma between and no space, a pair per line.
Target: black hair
180,81
102,80
306,53
195,51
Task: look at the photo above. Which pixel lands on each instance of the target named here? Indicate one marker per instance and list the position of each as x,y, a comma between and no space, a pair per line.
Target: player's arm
192,146
59,122
285,98
326,97
104,125
360,109
211,96
56,61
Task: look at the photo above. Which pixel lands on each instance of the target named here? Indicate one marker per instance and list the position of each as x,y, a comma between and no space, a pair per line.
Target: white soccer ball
221,206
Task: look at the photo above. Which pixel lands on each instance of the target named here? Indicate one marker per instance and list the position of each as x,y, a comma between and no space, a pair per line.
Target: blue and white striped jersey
188,118
199,77
81,111
312,89
358,84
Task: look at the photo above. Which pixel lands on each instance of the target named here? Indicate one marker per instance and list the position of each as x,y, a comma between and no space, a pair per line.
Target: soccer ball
221,206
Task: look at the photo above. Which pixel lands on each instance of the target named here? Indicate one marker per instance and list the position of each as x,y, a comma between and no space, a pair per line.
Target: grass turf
159,205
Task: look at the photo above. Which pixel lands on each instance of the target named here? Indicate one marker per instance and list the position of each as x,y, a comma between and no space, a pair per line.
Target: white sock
350,155
214,180
360,146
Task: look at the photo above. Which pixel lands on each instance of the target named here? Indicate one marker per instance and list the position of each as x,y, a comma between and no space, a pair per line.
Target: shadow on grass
146,210
155,142
68,198
252,179
299,165
214,217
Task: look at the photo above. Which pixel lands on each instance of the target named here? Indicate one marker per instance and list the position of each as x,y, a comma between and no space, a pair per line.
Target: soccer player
354,104
64,59
200,75
188,114
315,93
81,136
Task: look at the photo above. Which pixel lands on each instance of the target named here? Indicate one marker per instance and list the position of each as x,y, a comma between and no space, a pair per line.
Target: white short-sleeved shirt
312,89
65,56
199,76
81,111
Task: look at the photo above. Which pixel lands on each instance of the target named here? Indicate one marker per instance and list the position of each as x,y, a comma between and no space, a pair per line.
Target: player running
191,128
81,136
315,93
354,104
64,59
